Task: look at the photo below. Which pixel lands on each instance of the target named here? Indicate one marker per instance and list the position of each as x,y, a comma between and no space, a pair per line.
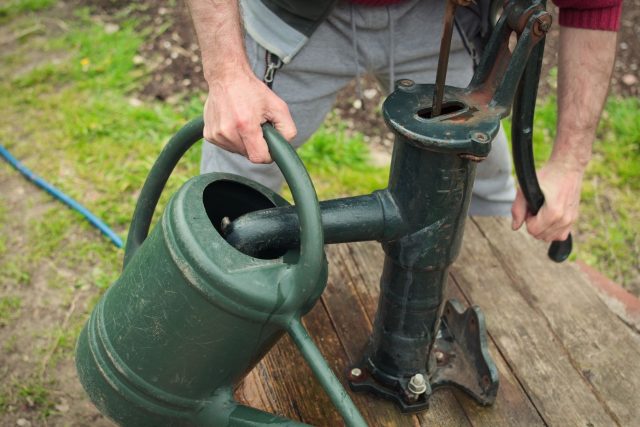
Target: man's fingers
555,234
551,223
288,130
518,210
282,120
226,144
234,111
254,142
538,226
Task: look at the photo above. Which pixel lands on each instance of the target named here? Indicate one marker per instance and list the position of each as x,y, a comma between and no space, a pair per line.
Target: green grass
15,271
9,308
9,345
341,166
10,8
610,207
69,118
3,237
618,148
97,146
35,395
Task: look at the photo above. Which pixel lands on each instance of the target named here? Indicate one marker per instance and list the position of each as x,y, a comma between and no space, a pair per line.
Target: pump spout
351,219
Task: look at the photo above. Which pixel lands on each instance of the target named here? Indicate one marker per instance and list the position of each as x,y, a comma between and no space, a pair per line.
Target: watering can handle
310,263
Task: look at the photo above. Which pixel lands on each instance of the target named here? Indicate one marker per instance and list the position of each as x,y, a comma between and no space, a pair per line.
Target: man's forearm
238,102
217,24
585,63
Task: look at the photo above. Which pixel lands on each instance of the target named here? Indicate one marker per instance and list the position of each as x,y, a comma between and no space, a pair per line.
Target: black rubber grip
561,249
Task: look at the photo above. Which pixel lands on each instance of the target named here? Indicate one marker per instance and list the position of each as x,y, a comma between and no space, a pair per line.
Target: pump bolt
224,224
406,83
417,384
542,24
439,356
480,137
355,373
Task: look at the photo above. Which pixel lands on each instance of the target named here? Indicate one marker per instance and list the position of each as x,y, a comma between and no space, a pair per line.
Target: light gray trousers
392,42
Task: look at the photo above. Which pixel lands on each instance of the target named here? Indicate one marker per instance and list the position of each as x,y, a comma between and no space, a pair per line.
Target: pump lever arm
443,58
522,141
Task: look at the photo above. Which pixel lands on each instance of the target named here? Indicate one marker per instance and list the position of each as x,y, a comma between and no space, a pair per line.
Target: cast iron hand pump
231,266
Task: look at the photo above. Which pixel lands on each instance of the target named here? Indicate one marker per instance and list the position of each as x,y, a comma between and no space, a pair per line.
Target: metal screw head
417,384
224,225
480,137
405,83
439,356
542,24
356,372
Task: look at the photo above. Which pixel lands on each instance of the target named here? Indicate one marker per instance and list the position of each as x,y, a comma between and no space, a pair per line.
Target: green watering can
190,315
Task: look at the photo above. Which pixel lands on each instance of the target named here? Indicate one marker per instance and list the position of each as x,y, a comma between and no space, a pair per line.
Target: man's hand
561,186
238,103
235,109
585,62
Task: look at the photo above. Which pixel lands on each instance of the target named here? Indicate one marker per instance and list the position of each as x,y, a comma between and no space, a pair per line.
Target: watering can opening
225,200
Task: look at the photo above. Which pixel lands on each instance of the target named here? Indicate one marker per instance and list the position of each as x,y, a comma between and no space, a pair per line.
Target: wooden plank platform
564,357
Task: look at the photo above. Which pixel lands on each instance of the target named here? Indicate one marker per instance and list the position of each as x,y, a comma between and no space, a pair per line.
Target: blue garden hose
94,220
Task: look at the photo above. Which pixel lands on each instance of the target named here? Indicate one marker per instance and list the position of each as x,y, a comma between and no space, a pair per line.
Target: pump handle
522,144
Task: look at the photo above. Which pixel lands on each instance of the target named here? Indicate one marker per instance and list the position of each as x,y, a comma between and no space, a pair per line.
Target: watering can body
191,315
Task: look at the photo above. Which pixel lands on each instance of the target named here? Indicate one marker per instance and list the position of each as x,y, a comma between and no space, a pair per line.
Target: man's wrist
573,150
230,69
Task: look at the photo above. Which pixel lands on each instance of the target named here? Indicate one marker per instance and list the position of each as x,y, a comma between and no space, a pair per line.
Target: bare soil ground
50,297
44,383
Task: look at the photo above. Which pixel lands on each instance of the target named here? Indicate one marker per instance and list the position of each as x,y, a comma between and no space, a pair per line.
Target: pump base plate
460,359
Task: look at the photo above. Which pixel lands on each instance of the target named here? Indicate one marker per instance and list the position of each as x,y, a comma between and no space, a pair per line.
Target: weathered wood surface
564,358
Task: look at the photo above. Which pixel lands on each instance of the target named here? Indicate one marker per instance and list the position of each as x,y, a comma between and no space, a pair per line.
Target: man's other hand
561,184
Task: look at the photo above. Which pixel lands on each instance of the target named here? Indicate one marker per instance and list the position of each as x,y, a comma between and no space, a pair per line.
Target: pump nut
355,374
405,83
224,225
542,24
480,137
417,384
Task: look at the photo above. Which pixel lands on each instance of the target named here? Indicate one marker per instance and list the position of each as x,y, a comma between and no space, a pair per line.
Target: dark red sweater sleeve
590,14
